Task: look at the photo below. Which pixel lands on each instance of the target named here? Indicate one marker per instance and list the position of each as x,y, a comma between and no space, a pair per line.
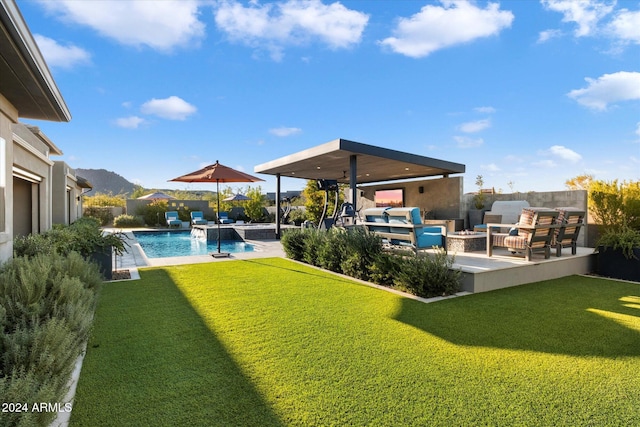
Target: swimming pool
162,244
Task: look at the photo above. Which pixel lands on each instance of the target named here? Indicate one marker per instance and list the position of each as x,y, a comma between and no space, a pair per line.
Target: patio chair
223,218
533,233
172,219
488,217
403,226
570,220
197,218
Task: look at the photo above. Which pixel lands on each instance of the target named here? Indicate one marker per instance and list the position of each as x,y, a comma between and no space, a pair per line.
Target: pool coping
134,256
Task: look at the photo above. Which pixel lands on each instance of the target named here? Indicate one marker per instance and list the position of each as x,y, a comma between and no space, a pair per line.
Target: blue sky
527,93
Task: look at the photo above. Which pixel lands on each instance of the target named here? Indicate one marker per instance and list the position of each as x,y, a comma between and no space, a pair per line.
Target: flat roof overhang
373,164
25,79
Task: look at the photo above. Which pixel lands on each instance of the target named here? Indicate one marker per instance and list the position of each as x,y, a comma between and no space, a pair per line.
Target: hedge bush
103,214
359,253
46,309
128,221
83,236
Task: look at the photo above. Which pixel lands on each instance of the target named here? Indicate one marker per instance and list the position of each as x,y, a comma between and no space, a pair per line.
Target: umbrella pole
218,212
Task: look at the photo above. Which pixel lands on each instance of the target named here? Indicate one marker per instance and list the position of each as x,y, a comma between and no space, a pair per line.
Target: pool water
162,244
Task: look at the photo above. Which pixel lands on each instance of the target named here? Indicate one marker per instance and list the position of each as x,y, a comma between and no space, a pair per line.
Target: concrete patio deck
504,269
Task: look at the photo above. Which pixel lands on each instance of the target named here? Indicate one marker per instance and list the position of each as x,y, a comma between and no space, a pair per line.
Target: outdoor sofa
403,226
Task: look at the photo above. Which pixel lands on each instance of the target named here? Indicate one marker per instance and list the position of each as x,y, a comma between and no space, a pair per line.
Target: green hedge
83,236
358,253
46,310
47,300
128,221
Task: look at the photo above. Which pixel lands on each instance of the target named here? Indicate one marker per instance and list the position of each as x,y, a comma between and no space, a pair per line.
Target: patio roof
373,164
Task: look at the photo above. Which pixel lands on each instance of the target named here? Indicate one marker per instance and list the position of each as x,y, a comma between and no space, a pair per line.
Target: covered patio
354,163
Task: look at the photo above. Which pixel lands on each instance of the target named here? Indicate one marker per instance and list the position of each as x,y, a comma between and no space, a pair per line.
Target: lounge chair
404,226
172,219
533,233
197,218
488,217
223,218
570,220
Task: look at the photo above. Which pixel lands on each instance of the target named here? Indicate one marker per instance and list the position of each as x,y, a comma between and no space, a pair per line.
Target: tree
254,207
580,182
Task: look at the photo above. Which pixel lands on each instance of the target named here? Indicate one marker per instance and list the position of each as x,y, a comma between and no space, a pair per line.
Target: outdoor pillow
513,231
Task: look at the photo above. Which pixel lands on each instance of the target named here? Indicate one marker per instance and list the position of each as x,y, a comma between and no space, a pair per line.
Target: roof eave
39,96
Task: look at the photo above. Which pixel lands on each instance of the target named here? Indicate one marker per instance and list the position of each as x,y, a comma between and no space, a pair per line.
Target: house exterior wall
66,203
31,163
8,116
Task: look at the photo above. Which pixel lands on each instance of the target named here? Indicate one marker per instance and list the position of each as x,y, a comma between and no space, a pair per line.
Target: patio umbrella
217,173
158,195
236,198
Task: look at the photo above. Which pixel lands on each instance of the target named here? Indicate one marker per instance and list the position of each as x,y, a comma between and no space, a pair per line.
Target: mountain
106,182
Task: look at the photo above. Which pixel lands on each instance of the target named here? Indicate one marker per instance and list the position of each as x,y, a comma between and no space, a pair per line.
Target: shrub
46,310
385,268
314,239
153,213
293,243
297,216
358,253
332,251
102,214
626,240
362,248
428,275
616,205
128,221
104,200
83,236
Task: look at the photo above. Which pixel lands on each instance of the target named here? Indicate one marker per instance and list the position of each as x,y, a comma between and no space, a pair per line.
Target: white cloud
491,167
546,164
438,27
61,56
132,122
161,25
476,126
585,13
284,131
563,153
485,110
607,89
626,26
638,129
273,26
466,142
172,108
547,35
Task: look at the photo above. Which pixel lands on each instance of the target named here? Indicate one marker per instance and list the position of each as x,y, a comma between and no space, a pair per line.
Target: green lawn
271,342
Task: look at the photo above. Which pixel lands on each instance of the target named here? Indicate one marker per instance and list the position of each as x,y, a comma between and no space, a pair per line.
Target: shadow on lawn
575,316
152,360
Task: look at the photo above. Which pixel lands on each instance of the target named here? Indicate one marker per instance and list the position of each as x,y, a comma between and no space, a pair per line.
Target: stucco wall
8,116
